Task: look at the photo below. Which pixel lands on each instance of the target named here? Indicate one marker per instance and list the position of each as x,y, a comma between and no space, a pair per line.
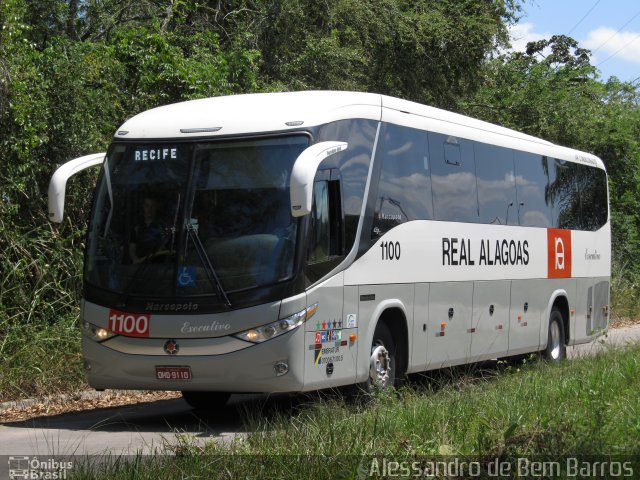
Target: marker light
272,330
281,368
96,333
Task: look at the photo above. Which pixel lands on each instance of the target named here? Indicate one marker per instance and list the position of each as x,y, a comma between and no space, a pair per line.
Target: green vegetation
588,406
72,71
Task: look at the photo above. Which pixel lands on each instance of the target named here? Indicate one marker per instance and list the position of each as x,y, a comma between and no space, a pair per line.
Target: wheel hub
380,366
555,340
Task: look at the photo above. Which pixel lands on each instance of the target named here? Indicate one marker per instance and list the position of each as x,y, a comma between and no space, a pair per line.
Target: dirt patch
84,400
621,322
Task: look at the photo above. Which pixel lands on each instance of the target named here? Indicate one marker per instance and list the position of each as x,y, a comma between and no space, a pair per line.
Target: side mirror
304,171
58,183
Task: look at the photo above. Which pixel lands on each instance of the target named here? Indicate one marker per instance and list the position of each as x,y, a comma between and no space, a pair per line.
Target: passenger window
592,184
496,185
453,178
532,182
452,154
404,189
564,196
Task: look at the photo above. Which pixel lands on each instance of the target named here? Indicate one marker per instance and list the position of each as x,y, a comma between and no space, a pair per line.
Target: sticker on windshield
186,277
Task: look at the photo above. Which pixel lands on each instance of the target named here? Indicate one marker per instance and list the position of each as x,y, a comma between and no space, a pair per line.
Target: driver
148,237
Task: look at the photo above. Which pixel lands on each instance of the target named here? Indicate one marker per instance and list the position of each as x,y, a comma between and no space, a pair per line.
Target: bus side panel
592,309
419,339
573,299
529,300
601,294
329,358
583,305
592,267
449,327
490,336
531,303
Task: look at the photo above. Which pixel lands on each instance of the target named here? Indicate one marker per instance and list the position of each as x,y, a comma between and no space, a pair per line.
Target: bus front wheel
206,400
382,361
556,348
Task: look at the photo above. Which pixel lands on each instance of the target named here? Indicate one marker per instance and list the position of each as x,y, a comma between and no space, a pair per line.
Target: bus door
330,357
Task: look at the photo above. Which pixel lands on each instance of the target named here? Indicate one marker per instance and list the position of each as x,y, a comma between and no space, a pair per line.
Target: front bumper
248,370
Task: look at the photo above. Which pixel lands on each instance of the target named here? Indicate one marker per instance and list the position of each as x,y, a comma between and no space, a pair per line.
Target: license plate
173,373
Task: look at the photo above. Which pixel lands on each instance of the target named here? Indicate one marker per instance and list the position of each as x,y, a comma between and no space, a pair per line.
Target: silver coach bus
290,242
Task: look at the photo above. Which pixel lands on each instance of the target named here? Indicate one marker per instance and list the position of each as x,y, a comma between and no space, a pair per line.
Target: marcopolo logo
558,253
171,307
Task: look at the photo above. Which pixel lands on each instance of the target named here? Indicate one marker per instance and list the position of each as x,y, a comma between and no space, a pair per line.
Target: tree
428,51
61,98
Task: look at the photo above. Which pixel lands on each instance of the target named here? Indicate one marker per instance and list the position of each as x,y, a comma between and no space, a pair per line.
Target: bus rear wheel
556,348
382,361
206,400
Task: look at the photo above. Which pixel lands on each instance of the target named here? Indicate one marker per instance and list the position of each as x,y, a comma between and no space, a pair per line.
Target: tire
556,350
382,361
206,400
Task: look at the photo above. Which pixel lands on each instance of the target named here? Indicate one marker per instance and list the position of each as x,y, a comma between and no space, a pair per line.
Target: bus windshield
184,219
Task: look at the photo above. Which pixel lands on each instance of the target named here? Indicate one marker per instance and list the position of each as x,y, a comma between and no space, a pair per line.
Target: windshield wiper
206,262
173,227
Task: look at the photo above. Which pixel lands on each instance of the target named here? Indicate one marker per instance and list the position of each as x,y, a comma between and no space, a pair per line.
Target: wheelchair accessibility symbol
186,276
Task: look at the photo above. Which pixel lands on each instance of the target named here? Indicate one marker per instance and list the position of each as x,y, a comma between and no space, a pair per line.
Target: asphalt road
149,428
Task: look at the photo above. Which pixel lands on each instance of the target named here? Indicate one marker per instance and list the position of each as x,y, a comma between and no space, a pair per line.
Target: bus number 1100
129,324
390,250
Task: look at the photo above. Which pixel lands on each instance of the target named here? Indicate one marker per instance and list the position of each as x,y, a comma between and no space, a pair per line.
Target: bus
288,242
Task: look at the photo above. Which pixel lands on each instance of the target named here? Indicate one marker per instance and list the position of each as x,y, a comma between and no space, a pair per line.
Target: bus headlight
272,330
96,333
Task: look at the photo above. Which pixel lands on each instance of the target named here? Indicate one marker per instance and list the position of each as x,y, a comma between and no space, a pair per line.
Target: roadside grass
40,359
583,407
625,289
40,278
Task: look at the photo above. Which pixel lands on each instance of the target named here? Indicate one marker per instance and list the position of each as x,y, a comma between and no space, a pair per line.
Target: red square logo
558,253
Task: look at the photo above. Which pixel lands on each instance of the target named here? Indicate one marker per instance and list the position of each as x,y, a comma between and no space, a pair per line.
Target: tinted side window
353,164
453,178
404,189
325,240
592,185
319,237
532,181
564,196
496,185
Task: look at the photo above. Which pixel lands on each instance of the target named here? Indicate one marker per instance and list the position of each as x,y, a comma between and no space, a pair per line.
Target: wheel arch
396,320
394,315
